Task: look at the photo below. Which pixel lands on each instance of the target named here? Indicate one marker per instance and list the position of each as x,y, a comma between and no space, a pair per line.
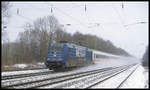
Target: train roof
104,53
95,51
76,46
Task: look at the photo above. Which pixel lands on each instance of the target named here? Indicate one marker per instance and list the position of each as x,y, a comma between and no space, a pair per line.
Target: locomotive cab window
56,48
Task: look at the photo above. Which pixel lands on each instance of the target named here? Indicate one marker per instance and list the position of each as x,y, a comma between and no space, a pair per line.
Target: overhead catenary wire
25,17
90,19
120,18
17,13
60,10
70,16
66,14
135,23
97,24
85,8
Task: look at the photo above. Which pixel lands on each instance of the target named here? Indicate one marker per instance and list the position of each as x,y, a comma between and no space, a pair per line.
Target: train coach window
94,55
101,56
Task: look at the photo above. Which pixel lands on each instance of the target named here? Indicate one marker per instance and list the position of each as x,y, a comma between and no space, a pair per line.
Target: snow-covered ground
83,82
136,80
23,66
146,73
24,72
104,63
114,81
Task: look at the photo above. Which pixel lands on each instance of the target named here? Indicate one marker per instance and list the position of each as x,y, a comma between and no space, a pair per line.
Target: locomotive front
55,56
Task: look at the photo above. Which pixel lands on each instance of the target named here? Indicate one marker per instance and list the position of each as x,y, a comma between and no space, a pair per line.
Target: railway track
126,78
90,80
13,85
59,81
25,75
117,80
25,69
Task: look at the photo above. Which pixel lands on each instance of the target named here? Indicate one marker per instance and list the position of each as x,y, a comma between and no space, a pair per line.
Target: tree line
32,44
145,58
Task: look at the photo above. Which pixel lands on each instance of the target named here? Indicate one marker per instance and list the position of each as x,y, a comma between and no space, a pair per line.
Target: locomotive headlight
54,54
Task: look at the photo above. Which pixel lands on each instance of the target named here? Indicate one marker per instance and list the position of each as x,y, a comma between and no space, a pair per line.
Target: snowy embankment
136,80
23,66
23,72
139,79
115,81
146,73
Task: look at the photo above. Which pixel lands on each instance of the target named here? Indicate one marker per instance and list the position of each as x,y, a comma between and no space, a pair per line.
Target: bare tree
49,24
47,27
145,58
5,40
5,17
33,42
62,35
5,12
5,9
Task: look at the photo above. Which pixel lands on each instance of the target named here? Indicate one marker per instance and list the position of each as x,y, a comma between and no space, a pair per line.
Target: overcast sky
112,21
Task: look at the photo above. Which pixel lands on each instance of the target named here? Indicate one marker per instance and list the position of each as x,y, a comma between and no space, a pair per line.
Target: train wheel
50,68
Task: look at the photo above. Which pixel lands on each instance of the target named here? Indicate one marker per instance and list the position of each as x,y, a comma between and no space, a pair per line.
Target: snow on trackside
146,73
117,79
23,72
103,63
21,65
136,80
40,63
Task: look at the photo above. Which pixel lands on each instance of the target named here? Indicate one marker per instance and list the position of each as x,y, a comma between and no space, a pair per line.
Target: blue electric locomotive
66,55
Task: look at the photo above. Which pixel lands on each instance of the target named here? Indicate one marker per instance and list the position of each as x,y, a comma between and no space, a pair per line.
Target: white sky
110,15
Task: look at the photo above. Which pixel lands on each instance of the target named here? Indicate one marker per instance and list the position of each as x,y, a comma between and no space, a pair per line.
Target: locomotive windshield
56,48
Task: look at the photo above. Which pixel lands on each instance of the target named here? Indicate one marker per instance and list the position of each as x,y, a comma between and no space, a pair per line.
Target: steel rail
25,75
25,69
126,78
82,76
52,78
109,77
58,79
